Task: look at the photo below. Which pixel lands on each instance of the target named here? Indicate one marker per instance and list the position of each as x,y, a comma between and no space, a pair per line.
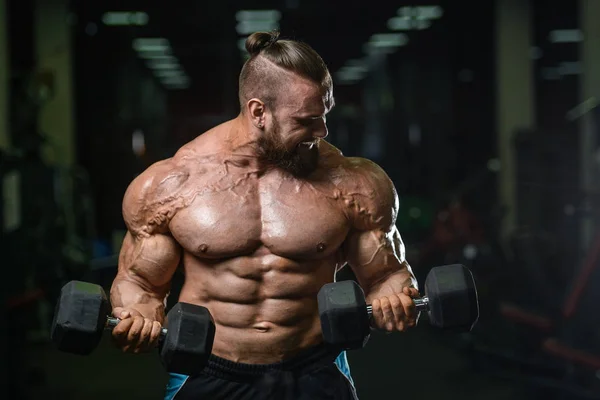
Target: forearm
130,294
391,283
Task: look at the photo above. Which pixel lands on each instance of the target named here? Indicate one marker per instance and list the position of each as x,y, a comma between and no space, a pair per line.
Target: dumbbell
450,301
81,315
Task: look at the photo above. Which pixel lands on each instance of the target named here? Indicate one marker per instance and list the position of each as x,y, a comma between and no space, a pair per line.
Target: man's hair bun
259,41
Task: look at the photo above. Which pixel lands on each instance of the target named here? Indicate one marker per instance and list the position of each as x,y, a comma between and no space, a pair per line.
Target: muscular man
260,212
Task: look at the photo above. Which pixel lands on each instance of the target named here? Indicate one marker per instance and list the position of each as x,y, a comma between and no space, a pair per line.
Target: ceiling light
162,64
166,58
242,44
357,64
400,23
352,73
250,26
175,80
260,15
346,74
388,40
565,36
151,45
169,73
407,23
125,18
570,68
423,12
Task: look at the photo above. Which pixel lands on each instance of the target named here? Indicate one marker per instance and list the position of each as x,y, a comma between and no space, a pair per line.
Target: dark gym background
484,113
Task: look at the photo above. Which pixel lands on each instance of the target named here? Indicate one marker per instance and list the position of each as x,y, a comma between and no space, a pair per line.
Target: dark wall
21,49
115,96
548,166
444,81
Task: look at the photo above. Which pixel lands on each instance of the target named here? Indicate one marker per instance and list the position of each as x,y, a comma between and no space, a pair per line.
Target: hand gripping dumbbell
81,316
450,301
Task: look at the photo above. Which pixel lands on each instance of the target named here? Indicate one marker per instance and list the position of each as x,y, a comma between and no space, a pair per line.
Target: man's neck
243,136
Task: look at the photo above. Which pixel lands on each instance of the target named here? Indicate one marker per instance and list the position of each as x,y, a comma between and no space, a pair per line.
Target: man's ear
256,110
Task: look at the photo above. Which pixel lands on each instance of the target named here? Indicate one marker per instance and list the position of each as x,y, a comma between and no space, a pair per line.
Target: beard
300,161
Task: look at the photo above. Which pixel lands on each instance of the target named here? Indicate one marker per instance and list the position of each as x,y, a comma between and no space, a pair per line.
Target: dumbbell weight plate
188,344
343,314
79,317
453,302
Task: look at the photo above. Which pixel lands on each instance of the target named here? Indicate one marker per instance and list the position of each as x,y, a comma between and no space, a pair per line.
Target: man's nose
322,131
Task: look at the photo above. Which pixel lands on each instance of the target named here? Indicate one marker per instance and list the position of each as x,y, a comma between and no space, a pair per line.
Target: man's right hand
134,333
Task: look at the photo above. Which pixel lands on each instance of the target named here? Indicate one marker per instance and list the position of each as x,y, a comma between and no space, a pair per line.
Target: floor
417,364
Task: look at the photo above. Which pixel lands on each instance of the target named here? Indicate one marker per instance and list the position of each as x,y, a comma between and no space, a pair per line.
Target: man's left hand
395,312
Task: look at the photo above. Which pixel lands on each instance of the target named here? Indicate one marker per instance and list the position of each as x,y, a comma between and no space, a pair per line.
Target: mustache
299,161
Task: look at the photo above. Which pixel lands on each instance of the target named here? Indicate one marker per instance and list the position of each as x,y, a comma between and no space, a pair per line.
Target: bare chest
290,218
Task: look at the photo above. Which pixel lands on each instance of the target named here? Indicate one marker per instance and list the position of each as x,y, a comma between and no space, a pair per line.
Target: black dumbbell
81,316
450,301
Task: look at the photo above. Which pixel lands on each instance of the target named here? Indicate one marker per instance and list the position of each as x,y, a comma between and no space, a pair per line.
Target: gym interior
484,114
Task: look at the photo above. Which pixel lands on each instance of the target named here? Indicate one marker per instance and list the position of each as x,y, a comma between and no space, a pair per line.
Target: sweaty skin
256,244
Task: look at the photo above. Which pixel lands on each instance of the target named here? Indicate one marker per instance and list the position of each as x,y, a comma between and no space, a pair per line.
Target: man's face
298,124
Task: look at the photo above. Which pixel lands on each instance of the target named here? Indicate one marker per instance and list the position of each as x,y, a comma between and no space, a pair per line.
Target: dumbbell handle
422,304
111,322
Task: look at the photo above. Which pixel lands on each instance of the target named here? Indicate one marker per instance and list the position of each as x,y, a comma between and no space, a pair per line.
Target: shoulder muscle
147,203
369,194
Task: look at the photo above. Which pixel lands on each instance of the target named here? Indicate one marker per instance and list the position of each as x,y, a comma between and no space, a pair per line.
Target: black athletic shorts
318,373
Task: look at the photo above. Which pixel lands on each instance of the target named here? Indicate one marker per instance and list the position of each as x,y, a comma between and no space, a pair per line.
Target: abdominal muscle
264,308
